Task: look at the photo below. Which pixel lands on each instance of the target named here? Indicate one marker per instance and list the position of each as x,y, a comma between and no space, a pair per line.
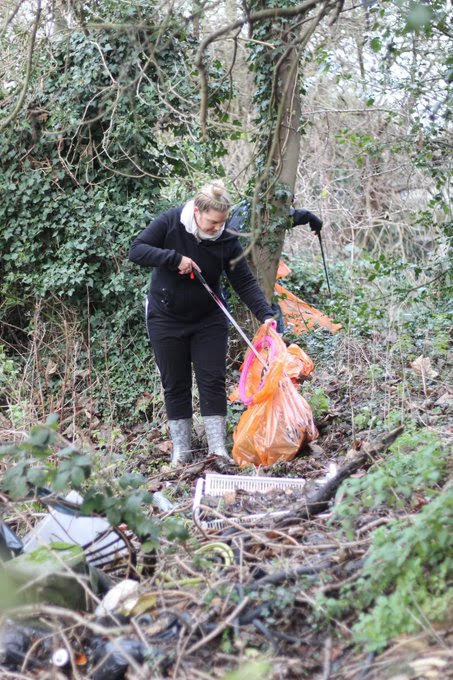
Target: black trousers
177,346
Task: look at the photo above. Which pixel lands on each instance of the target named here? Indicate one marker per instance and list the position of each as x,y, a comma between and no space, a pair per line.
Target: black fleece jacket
161,246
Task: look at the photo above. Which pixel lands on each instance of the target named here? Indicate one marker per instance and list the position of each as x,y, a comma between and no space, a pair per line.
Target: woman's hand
271,322
186,266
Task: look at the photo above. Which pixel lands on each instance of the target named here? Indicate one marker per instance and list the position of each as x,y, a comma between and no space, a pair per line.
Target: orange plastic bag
297,314
278,420
300,316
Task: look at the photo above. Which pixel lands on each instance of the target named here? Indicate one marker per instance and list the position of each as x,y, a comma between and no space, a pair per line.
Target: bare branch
6,121
11,16
261,15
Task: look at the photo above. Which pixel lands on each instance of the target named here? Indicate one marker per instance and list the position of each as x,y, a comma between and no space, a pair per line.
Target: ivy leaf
52,421
376,44
77,477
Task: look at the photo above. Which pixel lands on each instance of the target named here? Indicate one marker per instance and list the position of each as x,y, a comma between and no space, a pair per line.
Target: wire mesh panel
218,485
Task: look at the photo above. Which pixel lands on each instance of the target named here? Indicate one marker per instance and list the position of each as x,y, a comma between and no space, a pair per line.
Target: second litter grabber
318,234
219,302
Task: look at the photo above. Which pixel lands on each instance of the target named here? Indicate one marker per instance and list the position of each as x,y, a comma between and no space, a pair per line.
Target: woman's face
210,221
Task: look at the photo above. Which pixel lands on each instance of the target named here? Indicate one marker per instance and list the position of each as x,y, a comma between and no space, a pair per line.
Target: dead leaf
445,400
165,446
230,497
315,449
51,367
422,366
429,666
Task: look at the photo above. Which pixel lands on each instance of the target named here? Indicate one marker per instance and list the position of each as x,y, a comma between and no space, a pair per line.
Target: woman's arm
246,286
147,251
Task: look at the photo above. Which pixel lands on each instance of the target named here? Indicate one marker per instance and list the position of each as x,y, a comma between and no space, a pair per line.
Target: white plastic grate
218,485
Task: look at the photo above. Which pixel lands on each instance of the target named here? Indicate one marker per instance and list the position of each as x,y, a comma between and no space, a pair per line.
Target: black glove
304,217
315,223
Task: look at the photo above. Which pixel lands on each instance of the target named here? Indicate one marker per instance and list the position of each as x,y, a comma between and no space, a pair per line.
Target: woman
185,326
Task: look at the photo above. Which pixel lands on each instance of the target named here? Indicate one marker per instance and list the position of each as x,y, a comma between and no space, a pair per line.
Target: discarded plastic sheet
283,270
297,314
162,502
300,316
101,544
16,640
10,544
112,658
278,420
51,574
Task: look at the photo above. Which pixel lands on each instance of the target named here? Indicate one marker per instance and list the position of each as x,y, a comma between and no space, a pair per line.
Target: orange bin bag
278,420
299,364
299,315
283,270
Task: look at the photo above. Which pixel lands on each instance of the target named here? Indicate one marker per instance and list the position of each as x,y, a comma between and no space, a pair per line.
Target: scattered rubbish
161,628
60,657
123,594
15,642
162,502
10,544
278,420
54,574
111,659
332,471
101,544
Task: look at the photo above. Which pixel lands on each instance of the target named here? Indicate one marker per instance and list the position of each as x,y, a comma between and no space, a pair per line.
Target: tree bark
284,149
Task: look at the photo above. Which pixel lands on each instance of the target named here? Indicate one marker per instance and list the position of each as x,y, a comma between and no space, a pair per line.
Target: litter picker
318,233
219,302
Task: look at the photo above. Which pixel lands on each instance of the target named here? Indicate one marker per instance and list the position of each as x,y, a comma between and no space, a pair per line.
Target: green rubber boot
181,436
215,427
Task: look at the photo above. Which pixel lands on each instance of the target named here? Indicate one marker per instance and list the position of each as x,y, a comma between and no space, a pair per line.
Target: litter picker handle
219,302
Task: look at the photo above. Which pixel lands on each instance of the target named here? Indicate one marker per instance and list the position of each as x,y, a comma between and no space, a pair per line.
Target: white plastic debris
124,594
60,657
57,526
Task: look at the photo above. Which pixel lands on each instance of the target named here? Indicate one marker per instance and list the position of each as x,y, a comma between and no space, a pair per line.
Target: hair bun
213,196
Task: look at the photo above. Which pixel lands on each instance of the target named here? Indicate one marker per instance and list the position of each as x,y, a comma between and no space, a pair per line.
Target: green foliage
35,468
416,462
318,400
258,669
407,576
104,132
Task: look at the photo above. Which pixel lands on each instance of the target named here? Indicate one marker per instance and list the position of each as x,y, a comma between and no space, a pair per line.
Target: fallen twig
320,500
218,629
327,658
289,574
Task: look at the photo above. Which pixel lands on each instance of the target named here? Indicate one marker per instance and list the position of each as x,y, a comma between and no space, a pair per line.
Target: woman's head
211,206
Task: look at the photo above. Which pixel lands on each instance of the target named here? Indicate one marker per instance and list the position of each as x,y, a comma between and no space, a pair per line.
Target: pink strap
267,341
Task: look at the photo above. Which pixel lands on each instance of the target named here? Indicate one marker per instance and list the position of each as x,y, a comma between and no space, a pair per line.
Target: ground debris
240,503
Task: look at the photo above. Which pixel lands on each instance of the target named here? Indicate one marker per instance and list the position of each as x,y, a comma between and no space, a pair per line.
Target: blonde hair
212,196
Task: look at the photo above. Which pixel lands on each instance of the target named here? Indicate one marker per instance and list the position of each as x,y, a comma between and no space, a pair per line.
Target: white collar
188,220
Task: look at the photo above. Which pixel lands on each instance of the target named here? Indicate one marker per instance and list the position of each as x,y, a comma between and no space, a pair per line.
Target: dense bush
107,126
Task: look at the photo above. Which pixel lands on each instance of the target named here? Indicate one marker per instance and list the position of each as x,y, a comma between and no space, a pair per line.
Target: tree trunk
284,151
